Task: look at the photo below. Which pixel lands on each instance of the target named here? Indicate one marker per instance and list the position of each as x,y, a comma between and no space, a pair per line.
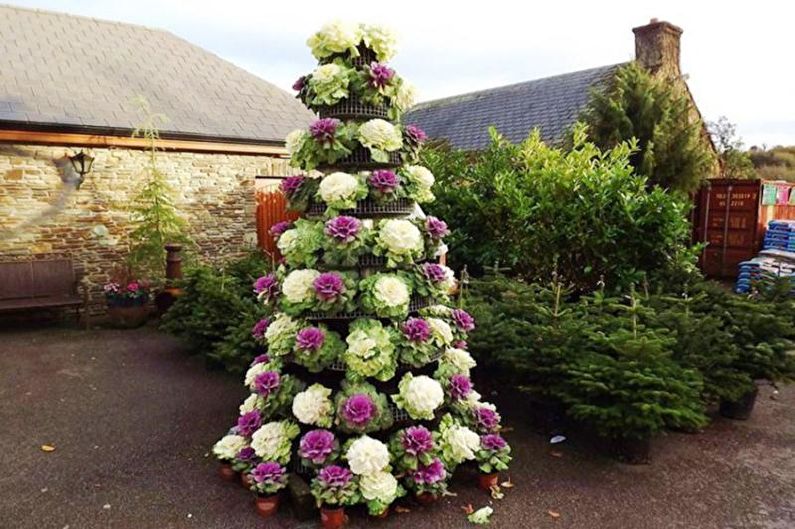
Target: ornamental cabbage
387,295
228,446
419,396
280,335
329,84
367,456
380,137
335,37
399,240
341,190
273,441
381,40
313,406
371,351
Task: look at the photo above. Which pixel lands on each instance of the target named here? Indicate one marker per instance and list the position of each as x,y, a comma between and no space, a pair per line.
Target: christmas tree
363,388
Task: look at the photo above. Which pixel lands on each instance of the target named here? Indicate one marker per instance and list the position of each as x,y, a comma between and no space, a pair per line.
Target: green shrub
582,214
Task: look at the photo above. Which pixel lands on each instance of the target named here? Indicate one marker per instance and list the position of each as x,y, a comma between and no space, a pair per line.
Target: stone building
551,104
67,84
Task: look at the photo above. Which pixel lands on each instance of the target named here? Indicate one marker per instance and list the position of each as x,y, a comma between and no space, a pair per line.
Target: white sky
738,55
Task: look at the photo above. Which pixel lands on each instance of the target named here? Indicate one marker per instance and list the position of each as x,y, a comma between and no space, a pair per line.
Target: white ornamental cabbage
281,326
255,370
459,443
420,176
228,447
337,187
401,237
297,286
367,456
295,140
460,359
380,134
419,396
441,330
253,401
391,291
335,37
361,344
406,96
288,241
381,40
272,441
314,406
326,73
381,486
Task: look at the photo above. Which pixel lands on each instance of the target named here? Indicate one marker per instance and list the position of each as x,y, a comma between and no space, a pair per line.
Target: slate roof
75,73
551,104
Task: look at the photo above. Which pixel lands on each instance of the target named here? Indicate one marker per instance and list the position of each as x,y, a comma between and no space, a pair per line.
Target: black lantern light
81,163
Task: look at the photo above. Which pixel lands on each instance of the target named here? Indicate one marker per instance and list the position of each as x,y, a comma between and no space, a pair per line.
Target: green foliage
672,149
582,214
154,218
777,163
630,366
217,311
734,161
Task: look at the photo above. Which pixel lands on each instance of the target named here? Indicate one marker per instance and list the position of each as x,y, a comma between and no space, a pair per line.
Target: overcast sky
738,59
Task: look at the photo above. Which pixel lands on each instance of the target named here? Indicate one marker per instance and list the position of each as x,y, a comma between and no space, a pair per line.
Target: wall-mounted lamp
81,163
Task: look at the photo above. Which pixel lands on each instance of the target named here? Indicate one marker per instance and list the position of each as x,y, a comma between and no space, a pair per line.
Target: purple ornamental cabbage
261,359
316,446
248,423
380,74
343,229
431,473
460,344
299,83
335,476
323,129
291,185
358,410
415,134
417,440
416,330
383,180
435,273
493,442
246,454
267,383
269,473
310,338
328,286
436,228
487,419
279,228
460,386
267,287
258,331
463,320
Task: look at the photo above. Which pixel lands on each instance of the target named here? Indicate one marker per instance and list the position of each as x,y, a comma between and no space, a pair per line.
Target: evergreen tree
672,150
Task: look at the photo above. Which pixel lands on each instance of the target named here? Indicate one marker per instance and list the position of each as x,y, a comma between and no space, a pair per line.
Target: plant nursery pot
245,480
488,481
128,317
632,451
426,498
740,409
226,472
332,518
267,506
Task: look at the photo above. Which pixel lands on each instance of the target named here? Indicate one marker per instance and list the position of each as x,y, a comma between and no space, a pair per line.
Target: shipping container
730,217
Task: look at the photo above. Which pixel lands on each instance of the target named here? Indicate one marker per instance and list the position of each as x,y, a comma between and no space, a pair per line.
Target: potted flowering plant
318,448
127,303
384,186
419,396
266,289
412,447
279,335
371,351
300,245
341,191
273,441
418,181
413,138
457,443
328,84
400,241
306,289
346,239
380,137
361,409
429,481
298,191
226,450
245,460
327,141
379,490
267,479
386,295
433,280
316,348
313,406
434,231
274,391
492,456
414,343
334,488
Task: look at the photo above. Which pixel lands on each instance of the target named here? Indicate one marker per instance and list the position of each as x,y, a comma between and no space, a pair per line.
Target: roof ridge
84,17
466,95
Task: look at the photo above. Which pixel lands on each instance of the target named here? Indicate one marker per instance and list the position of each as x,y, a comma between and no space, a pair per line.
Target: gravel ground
131,416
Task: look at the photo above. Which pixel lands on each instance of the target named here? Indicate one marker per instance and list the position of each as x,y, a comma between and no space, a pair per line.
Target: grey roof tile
551,104
56,68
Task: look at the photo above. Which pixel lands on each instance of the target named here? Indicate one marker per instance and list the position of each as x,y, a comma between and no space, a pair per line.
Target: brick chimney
657,47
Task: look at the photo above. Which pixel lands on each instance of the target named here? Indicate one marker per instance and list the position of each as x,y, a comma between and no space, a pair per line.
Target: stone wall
40,218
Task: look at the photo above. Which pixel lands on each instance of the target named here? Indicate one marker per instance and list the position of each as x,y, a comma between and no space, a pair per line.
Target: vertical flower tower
364,386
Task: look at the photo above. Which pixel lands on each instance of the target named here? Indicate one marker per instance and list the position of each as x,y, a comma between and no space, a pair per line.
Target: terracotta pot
128,317
267,506
226,472
332,518
740,409
426,498
487,481
245,480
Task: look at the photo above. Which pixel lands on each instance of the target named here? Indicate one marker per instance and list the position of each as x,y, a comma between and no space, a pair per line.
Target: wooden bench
46,284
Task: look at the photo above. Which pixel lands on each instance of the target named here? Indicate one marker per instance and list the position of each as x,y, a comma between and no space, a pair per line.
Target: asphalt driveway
132,415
